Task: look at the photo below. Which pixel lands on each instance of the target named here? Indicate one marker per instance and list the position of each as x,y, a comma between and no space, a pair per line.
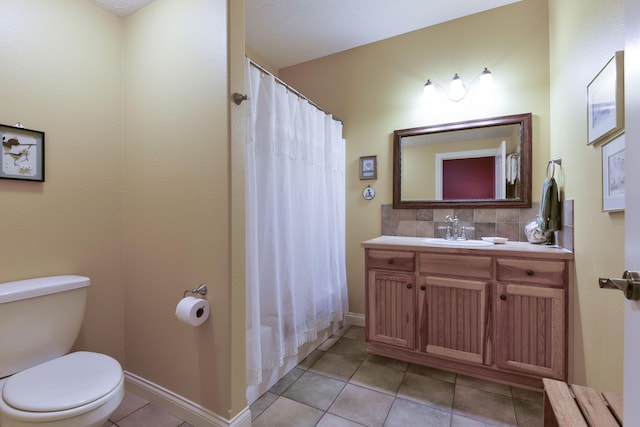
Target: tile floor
137,412
341,385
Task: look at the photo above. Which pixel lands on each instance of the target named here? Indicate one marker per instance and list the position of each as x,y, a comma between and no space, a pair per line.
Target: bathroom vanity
498,312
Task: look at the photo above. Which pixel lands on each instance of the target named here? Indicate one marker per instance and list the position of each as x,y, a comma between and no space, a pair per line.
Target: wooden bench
577,406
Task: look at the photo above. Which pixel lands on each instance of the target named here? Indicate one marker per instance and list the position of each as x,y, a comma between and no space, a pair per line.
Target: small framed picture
22,153
605,101
613,175
368,167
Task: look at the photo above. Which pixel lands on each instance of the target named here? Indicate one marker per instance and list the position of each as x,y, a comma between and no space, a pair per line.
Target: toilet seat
99,372
67,382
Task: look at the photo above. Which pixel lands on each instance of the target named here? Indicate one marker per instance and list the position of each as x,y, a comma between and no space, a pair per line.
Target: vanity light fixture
457,89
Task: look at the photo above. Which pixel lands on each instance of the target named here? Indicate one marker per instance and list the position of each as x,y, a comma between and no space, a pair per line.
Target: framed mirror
473,164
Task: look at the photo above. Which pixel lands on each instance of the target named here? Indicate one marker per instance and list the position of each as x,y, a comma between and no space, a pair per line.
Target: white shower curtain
295,189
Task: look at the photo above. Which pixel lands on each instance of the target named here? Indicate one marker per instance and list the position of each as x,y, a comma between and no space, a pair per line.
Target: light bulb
457,90
429,88
486,78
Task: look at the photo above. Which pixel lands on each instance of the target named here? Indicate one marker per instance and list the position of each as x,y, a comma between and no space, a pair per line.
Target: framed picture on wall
613,175
368,167
22,153
605,101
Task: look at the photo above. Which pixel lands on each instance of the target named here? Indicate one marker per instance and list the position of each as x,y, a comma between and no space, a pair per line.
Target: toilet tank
39,319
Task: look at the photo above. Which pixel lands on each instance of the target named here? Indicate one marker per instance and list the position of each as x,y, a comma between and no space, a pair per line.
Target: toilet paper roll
193,311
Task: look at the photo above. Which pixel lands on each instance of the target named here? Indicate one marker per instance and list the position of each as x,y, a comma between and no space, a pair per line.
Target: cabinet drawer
531,271
477,267
388,260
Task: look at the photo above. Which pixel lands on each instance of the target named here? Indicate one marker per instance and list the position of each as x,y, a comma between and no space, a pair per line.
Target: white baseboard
177,405
355,319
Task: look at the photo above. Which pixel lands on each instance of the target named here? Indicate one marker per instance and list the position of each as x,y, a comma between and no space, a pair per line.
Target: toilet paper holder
200,290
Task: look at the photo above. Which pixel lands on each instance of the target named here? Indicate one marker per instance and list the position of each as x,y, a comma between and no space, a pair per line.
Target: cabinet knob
390,261
503,297
529,272
423,287
409,286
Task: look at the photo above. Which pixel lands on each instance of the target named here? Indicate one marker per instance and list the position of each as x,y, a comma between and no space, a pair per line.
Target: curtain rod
291,89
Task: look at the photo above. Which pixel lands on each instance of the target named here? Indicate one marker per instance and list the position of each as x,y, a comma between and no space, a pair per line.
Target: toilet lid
64,383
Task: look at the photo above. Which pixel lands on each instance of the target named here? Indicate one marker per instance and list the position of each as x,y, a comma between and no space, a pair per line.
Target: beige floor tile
130,403
329,342
310,359
524,394
362,405
262,403
340,332
330,420
379,378
528,413
336,366
376,360
425,396
427,371
483,406
427,391
150,416
315,390
286,381
460,421
288,413
355,333
352,348
405,413
484,385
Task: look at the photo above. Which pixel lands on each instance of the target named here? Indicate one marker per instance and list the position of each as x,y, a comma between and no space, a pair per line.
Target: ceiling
288,32
122,7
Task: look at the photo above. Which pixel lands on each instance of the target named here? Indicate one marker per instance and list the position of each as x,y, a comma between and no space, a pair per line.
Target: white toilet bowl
76,390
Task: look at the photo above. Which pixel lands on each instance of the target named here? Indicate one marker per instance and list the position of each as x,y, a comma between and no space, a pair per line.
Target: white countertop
420,244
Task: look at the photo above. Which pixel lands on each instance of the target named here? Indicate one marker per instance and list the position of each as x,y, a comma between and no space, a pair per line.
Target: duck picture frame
22,153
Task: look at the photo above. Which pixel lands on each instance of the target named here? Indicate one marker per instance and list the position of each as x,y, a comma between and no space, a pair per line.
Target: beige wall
375,89
584,35
138,187
378,88
61,73
177,199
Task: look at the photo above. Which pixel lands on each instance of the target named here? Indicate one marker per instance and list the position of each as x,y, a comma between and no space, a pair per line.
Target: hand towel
549,213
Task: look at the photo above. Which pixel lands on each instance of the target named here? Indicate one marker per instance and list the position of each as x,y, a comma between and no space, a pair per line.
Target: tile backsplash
487,222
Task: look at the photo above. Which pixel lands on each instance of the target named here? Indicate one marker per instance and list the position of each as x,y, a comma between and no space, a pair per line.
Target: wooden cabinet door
391,308
530,329
454,316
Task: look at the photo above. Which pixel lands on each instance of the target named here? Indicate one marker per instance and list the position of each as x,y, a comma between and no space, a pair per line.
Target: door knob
629,284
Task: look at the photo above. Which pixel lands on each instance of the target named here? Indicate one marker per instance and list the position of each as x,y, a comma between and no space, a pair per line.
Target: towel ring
553,162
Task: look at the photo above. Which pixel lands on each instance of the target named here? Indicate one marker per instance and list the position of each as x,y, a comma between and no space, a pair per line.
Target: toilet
41,383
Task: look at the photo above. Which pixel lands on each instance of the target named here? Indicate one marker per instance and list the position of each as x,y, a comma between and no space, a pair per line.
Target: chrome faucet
454,231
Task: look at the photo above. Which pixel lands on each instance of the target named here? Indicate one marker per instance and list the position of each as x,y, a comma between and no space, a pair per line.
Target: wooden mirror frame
524,201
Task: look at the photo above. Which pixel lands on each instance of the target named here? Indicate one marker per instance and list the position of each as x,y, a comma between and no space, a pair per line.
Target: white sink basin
457,243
